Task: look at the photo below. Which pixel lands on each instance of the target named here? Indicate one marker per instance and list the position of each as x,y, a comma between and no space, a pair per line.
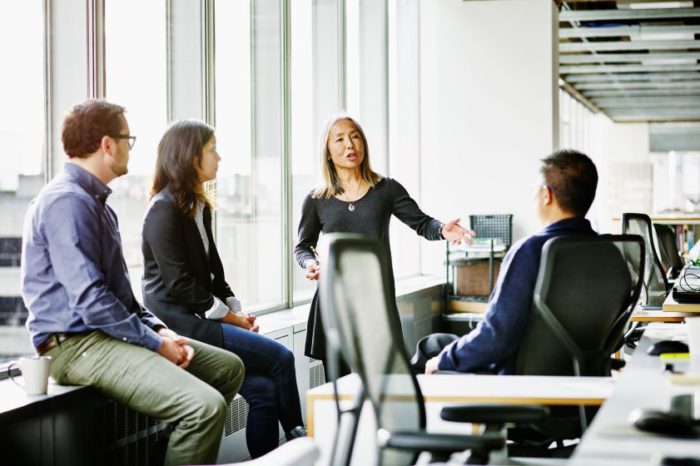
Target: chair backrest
668,249
356,308
584,295
655,285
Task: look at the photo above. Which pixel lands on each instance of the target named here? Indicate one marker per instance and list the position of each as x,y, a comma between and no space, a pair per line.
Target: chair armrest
484,413
439,443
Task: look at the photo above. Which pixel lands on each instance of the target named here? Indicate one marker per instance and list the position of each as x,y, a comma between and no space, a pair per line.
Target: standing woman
184,283
354,199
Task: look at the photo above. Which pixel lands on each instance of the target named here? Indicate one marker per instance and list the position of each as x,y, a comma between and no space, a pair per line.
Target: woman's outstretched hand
454,233
313,270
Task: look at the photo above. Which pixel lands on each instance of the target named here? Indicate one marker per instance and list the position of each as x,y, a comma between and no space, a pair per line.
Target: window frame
192,92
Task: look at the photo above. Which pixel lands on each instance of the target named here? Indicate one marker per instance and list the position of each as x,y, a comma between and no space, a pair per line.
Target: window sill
297,316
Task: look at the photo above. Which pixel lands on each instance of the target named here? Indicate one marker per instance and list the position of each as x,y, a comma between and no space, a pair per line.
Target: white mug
35,370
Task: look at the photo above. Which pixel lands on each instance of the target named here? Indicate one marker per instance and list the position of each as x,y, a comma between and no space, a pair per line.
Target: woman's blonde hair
330,183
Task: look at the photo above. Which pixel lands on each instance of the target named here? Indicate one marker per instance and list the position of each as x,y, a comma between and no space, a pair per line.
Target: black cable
684,285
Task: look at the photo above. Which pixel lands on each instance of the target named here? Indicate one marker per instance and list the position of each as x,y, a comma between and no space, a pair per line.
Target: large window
249,137
135,61
276,80
574,123
23,152
676,181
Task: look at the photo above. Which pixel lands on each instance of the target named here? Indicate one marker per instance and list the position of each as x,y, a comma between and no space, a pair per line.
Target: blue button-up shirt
74,277
492,345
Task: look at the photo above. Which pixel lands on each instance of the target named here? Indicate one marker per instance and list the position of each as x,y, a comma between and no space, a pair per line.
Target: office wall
621,153
489,108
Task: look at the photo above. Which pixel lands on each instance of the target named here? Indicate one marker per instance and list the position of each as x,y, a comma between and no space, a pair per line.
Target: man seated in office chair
82,311
563,197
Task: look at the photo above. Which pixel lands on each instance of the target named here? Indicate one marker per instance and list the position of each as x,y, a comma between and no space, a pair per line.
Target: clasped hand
175,348
242,320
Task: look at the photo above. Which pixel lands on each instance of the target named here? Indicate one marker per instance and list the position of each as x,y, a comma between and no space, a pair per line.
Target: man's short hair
573,179
87,123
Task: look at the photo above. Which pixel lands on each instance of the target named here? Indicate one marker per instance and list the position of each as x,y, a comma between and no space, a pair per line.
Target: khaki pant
193,400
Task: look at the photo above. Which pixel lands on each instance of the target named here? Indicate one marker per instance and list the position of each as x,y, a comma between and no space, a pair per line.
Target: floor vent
236,416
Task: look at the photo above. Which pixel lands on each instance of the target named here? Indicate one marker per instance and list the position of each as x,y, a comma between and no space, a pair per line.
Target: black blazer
177,278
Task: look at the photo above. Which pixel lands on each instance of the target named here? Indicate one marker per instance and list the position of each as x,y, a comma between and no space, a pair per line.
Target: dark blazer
177,278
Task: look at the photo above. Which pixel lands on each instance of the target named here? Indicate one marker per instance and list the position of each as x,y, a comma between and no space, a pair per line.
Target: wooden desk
672,219
611,439
642,315
671,305
442,390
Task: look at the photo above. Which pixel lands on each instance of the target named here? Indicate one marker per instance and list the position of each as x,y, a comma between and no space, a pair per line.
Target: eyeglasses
131,139
540,185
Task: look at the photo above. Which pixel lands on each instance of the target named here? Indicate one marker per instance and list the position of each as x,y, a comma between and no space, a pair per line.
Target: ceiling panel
633,60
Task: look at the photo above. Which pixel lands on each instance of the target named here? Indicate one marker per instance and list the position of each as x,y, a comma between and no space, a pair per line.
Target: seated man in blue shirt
568,186
82,311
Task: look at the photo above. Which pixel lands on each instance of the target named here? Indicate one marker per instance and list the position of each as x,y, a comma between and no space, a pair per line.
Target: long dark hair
179,157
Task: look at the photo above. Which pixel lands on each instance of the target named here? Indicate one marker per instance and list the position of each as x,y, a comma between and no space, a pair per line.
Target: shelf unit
498,227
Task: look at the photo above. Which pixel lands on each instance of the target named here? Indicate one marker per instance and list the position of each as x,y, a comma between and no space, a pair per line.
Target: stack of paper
483,247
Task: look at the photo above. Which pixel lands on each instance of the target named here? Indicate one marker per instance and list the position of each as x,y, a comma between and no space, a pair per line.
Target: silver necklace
351,206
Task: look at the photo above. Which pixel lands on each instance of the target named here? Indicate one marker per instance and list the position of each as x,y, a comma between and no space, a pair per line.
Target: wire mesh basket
493,226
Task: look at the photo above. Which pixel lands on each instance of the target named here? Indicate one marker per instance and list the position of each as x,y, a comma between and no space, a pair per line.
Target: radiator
130,438
236,416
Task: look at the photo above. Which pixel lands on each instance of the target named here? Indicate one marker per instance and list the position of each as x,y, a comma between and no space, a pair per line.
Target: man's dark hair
87,123
573,179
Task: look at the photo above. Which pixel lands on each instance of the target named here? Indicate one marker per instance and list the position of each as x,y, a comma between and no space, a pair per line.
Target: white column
69,77
489,108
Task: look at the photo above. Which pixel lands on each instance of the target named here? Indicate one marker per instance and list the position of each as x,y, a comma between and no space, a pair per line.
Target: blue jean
269,387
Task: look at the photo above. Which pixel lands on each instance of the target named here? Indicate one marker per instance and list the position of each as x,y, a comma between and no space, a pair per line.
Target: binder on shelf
466,304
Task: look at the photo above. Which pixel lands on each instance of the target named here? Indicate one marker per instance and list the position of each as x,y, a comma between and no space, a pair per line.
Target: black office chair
584,296
668,249
655,285
360,321
585,293
428,347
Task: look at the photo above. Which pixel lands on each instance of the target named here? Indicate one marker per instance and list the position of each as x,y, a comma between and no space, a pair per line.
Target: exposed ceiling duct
633,60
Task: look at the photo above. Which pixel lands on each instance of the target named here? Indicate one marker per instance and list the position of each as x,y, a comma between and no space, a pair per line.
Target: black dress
371,216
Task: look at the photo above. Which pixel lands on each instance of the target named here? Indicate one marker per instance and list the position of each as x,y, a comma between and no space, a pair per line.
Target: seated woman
184,283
